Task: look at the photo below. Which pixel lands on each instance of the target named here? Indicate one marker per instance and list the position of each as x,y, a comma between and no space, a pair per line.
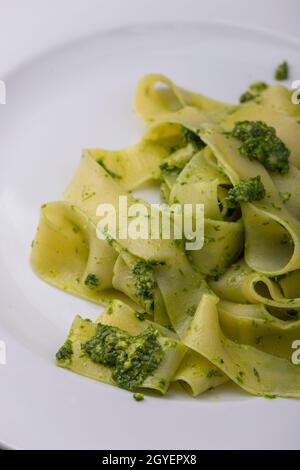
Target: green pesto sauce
190,137
131,358
246,191
65,353
260,142
92,281
144,281
253,92
282,71
169,169
138,396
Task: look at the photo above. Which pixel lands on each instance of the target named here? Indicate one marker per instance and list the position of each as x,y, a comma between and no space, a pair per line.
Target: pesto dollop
260,142
246,191
131,358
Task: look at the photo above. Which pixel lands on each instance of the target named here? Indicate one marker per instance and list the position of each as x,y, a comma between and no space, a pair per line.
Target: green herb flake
65,353
282,72
255,372
240,377
214,373
245,97
138,396
87,195
91,281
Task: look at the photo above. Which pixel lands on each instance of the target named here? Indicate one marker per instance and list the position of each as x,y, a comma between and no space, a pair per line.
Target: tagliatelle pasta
224,311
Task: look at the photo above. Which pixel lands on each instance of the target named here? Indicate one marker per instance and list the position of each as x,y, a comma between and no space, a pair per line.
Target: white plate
80,96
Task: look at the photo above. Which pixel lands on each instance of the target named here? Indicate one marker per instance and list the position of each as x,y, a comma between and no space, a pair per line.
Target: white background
28,27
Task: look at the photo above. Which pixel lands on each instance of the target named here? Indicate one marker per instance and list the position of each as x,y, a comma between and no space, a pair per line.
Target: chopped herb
138,396
86,195
260,142
65,353
92,281
282,71
145,280
247,96
255,372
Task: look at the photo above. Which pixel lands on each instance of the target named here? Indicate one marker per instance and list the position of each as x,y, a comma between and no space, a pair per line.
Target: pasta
228,311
